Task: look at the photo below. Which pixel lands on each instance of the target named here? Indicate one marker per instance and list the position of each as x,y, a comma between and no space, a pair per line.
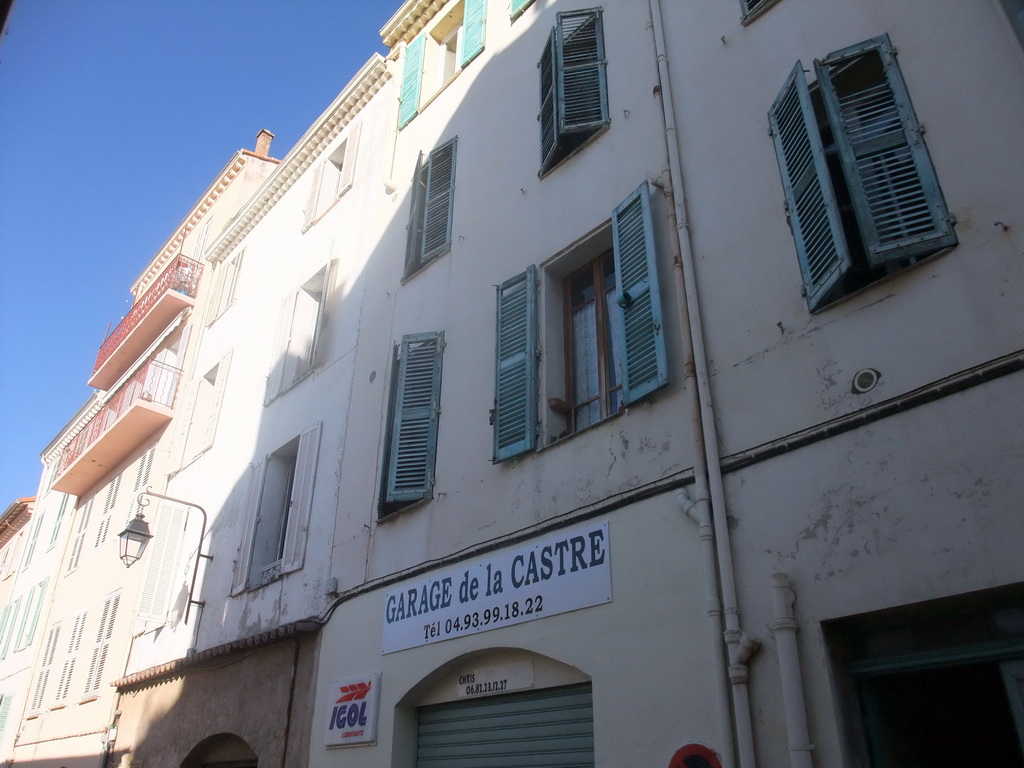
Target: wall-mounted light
136,535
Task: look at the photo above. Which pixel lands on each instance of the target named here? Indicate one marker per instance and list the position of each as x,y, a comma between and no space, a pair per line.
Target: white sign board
494,678
562,573
353,708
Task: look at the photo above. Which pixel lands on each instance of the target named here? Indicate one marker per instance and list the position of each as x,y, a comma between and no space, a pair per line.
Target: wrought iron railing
181,275
154,382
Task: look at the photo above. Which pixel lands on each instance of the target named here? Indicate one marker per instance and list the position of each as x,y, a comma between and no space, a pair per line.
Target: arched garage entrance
224,750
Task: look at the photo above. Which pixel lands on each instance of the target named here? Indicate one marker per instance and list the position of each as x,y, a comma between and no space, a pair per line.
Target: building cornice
172,247
407,22
199,659
353,97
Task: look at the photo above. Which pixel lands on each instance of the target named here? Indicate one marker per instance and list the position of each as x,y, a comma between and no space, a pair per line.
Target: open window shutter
320,340
517,7
414,433
184,424
301,502
896,196
314,196
251,515
213,413
5,622
164,555
414,244
515,378
810,200
279,365
348,163
437,212
35,608
549,98
583,101
642,345
76,545
412,75
474,22
22,629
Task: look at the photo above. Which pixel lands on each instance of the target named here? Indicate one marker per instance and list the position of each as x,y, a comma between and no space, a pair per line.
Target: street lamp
136,535
134,539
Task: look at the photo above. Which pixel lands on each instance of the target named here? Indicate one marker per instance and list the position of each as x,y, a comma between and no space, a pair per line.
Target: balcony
138,409
173,290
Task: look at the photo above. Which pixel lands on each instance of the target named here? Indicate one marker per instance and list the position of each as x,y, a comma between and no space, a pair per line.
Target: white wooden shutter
279,363
68,667
300,504
43,677
164,555
102,645
250,513
348,163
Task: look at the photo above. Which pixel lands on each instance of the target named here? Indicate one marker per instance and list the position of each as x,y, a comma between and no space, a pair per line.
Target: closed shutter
515,377
552,727
437,210
414,433
412,75
642,342
57,521
810,200
104,527
49,649
33,538
102,645
517,7
9,628
164,555
301,502
68,668
35,607
581,68
896,196
5,708
251,516
474,22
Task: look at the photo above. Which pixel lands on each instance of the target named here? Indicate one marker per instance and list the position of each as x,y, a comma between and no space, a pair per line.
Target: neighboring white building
83,611
600,385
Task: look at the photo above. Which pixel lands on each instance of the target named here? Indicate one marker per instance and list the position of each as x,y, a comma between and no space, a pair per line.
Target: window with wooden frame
332,178
862,197
277,508
455,37
299,344
603,333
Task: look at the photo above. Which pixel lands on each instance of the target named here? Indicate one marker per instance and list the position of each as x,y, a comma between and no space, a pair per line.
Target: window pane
584,353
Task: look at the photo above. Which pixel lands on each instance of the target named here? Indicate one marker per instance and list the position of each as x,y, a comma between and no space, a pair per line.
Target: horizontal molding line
20,744
958,382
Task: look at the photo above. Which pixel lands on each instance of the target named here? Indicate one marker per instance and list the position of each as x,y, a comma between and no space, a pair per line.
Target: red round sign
695,756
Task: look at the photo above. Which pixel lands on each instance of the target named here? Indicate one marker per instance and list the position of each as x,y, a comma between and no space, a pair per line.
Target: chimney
263,139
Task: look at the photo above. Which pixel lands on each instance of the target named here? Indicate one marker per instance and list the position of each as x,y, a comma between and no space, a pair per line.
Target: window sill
323,214
543,174
386,517
57,707
89,699
430,99
567,437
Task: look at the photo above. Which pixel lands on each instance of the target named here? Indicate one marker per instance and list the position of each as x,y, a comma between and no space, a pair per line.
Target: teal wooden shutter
583,93
437,209
642,342
474,23
551,727
896,197
412,75
810,200
515,377
300,504
414,432
548,117
517,7
30,629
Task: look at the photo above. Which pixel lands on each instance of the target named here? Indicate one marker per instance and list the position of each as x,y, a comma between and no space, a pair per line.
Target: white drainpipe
795,708
707,469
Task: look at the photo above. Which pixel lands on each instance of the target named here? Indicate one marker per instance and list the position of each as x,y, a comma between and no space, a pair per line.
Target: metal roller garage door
552,728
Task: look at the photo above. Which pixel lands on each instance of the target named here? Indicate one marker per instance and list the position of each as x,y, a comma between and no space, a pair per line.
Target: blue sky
115,115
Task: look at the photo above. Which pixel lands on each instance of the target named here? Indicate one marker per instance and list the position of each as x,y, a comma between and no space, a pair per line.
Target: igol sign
551,576
353,708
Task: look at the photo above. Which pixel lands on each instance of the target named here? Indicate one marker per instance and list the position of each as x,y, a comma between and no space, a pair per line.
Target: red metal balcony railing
175,288
154,384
